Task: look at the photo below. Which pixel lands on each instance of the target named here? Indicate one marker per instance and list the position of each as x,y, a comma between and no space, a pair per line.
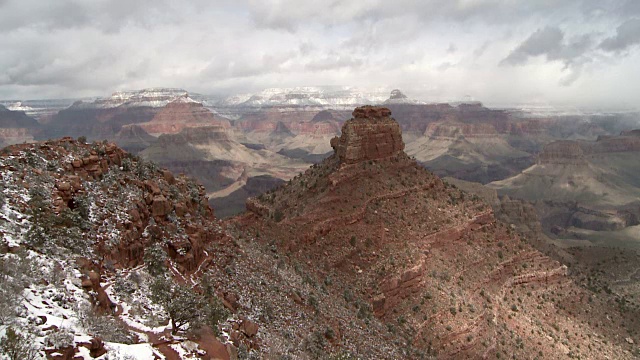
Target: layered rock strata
371,134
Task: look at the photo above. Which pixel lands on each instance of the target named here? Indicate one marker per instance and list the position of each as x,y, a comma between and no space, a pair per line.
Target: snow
52,306
18,106
134,351
325,96
153,97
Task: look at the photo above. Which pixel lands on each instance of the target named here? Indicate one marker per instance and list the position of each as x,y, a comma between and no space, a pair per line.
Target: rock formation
83,166
414,258
180,114
371,134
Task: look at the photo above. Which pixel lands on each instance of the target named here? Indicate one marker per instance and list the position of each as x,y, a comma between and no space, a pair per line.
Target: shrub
183,305
329,333
277,216
18,346
104,326
60,339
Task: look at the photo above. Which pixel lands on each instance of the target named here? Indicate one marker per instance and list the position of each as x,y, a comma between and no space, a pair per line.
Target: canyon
363,254
466,140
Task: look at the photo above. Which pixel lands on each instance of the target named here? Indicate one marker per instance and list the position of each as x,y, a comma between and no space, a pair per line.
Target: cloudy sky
582,53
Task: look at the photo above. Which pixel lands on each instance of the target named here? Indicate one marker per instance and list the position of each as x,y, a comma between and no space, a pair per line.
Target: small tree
184,307
182,303
17,346
39,216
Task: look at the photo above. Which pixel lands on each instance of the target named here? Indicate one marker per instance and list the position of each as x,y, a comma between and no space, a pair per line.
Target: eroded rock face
371,134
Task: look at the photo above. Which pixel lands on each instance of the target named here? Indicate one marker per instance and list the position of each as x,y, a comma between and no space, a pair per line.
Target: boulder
249,328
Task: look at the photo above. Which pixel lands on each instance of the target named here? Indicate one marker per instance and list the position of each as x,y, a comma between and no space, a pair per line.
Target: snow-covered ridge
18,106
330,96
152,97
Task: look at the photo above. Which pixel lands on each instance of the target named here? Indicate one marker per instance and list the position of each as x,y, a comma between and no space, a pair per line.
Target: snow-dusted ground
52,309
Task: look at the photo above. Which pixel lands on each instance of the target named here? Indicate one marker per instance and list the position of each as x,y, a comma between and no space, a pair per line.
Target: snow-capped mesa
153,97
335,97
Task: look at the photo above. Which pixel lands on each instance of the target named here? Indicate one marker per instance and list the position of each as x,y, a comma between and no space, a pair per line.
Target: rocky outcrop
87,178
397,288
371,134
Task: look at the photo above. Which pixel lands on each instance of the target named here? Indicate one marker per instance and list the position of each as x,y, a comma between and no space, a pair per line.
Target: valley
338,223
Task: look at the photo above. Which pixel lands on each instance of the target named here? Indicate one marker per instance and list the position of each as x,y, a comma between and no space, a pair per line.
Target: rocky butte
371,134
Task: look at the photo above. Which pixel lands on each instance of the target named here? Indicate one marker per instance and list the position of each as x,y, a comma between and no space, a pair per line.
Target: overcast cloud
582,53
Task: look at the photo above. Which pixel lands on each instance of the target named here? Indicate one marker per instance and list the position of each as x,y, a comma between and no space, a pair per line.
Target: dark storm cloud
289,14
93,47
550,42
547,41
627,35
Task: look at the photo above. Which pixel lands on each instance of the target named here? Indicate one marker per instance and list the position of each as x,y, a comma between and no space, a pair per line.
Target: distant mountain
152,97
103,118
